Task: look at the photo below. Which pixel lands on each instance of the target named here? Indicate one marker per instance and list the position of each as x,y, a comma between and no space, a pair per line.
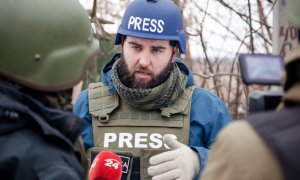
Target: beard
129,80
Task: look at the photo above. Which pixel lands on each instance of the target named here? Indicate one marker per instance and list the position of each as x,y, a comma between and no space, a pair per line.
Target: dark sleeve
52,160
56,170
28,155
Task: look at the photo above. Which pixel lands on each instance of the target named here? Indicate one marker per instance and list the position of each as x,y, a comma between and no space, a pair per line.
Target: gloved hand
179,163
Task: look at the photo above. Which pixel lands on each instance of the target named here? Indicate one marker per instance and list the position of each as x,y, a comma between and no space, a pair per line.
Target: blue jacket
208,113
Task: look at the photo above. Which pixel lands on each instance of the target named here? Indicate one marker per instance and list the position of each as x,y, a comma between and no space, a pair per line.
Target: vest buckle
103,118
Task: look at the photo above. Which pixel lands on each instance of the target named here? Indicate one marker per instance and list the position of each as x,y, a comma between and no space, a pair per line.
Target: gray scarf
155,98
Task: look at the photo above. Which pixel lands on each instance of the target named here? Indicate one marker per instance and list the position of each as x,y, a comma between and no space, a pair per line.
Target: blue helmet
153,19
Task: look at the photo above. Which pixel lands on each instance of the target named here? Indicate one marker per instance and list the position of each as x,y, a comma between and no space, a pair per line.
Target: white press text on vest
135,140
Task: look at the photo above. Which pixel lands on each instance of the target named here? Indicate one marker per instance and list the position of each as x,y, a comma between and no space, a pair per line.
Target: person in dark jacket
42,56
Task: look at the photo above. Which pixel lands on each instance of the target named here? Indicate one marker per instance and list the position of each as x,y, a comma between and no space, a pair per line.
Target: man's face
145,63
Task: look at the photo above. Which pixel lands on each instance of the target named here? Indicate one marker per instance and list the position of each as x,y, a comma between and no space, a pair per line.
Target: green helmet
293,12
45,45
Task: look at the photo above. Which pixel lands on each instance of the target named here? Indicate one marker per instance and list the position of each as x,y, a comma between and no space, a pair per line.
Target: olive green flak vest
135,135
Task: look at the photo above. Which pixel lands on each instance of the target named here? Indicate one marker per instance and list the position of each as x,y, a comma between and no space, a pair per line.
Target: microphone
106,166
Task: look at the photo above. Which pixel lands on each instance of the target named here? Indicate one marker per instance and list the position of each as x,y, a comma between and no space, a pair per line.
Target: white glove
179,163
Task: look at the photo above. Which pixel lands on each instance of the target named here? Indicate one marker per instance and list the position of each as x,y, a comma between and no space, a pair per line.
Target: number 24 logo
112,163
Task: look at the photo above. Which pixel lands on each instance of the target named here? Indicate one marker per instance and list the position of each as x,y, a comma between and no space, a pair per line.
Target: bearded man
147,109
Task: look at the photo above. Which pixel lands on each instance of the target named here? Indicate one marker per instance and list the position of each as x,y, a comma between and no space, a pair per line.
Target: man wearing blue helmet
147,109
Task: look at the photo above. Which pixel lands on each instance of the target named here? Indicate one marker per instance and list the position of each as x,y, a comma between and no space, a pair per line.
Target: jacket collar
18,110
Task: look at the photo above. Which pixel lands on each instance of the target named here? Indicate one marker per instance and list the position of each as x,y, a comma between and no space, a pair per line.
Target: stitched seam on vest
141,123
143,116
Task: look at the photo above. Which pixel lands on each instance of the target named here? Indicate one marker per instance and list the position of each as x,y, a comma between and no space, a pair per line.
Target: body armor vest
281,133
134,134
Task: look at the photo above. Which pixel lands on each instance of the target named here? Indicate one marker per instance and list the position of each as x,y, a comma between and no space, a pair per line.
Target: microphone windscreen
106,166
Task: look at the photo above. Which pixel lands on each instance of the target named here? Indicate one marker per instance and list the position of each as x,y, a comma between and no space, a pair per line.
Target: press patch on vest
132,130
135,140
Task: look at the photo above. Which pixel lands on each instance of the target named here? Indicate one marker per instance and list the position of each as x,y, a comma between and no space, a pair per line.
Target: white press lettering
125,138
160,24
135,140
108,138
131,21
145,24
156,141
139,138
137,23
153,23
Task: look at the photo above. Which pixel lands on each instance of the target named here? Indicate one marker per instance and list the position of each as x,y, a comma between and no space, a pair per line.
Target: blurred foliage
107,50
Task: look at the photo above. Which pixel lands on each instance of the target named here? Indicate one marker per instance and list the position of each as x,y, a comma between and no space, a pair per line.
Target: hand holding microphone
106,166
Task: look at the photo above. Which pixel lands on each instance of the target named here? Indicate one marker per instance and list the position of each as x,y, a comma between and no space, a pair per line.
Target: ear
174,54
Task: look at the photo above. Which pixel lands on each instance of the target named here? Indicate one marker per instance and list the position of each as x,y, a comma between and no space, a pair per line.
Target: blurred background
217,32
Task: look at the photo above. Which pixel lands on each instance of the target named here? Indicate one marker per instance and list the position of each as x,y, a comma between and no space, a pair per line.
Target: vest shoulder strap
101,101
181,104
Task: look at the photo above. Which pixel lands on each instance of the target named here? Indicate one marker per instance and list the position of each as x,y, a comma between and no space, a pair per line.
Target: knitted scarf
155,98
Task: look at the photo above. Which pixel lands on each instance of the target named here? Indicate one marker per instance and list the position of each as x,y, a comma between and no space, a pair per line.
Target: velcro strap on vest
101,101
180,105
